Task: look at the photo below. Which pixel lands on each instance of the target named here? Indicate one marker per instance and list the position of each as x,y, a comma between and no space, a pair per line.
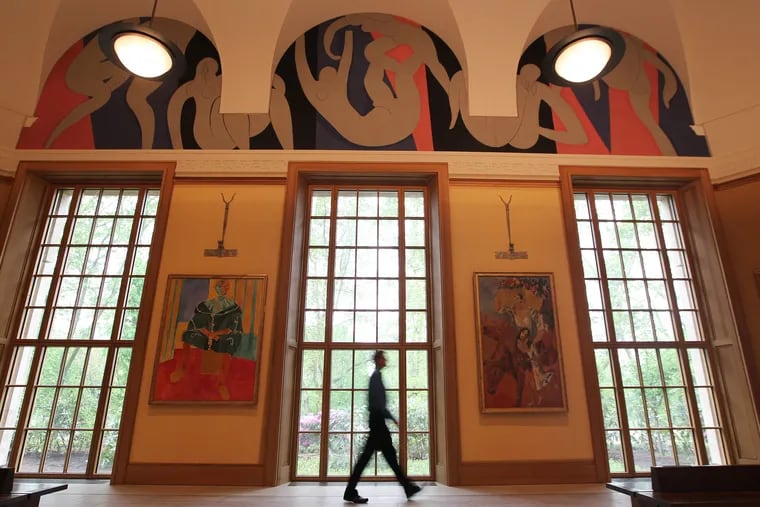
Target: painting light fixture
584,55
140,49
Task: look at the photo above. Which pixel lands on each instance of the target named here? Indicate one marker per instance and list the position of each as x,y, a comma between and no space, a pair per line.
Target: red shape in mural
56,101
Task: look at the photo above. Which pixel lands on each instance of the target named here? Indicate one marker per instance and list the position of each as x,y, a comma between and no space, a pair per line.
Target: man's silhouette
379,437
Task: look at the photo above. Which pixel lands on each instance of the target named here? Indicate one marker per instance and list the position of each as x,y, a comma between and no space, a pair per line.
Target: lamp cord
155,3
572,10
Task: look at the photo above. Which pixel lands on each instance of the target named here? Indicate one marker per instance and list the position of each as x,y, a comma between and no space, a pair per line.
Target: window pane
388,233
346,203
367,204
388,203
321,203
416,295
317,265
366,262
316,293
589,264
314,326
319,232
388,327
366,233
388,262
414,204
416,327
581,206
345,260
414,232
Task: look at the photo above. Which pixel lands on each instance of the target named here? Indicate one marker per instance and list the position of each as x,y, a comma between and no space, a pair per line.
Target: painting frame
209,344
518,343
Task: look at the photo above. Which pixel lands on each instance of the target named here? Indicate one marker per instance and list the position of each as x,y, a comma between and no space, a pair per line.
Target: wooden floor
102,494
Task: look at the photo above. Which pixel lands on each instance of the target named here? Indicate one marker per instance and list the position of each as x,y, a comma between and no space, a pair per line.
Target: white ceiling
712,44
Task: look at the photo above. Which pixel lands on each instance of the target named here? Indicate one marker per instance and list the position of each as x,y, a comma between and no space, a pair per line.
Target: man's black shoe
353,496
412,490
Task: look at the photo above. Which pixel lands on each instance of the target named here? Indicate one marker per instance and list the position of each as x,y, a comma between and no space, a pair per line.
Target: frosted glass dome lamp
139,49
584,55
142,54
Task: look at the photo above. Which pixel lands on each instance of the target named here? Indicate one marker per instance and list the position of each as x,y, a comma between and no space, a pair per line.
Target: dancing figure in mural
396,111
97,77
216,326
520,131
223,131
391,33
630,75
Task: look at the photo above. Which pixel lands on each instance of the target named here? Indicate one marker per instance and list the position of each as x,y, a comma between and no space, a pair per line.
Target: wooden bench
23,494
27,494
715,486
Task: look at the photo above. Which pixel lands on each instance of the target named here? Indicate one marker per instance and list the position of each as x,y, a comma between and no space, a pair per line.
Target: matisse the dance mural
362,82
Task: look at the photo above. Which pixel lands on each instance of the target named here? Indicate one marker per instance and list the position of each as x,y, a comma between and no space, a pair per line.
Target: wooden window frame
702,235
278,426
20,227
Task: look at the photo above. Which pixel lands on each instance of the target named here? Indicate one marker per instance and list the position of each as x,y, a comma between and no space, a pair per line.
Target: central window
366,288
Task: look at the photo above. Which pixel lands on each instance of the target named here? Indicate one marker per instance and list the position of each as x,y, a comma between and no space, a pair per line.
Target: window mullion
327,357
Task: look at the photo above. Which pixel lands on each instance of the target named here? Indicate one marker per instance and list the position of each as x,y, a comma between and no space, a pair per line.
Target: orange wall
739,212
478,229
176,434
212,434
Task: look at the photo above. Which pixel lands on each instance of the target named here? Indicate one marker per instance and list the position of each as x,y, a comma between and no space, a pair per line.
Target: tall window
64,390
657,389
367,287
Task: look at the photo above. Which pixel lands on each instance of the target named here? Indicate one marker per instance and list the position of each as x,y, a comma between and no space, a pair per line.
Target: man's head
379,359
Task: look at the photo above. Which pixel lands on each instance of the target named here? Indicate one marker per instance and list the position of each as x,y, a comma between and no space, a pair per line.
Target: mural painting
364,81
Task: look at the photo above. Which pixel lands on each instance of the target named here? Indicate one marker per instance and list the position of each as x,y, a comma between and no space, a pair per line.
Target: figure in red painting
216,326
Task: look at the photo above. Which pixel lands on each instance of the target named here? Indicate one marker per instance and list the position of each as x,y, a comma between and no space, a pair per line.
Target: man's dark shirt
377,402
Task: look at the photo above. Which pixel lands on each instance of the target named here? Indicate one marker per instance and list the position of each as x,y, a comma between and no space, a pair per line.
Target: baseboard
194,474
507,473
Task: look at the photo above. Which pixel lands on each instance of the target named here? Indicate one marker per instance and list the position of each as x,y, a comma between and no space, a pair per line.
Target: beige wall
207,434
478,229
739,212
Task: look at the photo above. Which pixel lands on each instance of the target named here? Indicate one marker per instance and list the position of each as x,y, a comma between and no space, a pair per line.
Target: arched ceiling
488,37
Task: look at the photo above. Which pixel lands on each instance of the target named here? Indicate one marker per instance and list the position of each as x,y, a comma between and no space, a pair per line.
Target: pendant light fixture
584,55
141,50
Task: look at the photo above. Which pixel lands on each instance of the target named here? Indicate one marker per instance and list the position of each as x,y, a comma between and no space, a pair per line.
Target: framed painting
210,340
519,359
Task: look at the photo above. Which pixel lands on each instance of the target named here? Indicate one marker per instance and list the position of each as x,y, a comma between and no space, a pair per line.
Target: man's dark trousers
379,440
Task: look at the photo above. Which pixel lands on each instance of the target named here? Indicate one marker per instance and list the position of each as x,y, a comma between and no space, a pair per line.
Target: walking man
379,438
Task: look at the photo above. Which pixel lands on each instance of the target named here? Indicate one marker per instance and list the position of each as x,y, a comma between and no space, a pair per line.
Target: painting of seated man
210,339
